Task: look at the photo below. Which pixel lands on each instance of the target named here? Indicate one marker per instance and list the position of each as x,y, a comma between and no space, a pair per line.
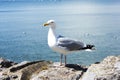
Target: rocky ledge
108,69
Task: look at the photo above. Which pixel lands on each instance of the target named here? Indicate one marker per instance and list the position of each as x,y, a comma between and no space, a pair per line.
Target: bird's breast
51,38
51,43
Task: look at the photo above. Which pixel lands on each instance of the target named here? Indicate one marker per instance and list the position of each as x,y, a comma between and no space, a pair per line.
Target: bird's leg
65,59
61,56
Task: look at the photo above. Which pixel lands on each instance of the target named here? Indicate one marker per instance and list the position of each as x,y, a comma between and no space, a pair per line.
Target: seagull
64,45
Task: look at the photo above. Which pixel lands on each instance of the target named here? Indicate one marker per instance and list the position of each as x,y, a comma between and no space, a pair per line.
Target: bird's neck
51,36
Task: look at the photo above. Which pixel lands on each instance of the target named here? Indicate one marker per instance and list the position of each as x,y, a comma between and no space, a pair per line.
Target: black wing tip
89,46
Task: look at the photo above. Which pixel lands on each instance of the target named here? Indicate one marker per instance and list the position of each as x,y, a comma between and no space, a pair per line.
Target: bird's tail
89,47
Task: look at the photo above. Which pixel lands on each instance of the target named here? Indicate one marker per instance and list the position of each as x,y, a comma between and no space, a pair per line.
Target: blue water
22,36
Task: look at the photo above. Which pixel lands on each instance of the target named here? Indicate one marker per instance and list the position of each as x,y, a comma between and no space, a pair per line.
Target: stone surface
4,63
56,72
108,69
23,70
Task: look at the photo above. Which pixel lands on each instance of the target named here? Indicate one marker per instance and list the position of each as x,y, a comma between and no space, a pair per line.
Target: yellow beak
46,24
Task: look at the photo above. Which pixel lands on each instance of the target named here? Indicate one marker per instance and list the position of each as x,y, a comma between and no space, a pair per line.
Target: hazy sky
78,6
86,1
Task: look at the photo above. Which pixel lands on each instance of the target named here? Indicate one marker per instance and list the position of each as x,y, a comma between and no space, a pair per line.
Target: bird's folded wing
69,44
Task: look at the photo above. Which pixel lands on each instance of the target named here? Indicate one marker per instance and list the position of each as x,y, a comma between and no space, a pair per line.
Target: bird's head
50,23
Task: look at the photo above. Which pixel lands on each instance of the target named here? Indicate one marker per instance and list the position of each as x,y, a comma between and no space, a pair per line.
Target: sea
23,37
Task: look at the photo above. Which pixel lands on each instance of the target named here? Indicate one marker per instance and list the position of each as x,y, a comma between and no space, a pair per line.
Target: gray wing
69,44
